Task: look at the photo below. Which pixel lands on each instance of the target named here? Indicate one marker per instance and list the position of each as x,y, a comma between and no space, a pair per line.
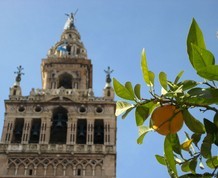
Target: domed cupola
70,44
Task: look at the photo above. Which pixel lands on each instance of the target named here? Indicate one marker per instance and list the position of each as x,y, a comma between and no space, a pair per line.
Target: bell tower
62,129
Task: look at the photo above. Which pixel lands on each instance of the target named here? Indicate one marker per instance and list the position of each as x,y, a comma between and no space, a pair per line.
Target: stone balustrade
56,148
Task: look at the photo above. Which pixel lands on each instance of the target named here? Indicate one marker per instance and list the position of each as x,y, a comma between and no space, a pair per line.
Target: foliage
185,95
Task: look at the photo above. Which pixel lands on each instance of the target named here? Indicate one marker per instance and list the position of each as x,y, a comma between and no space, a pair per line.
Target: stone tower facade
63,129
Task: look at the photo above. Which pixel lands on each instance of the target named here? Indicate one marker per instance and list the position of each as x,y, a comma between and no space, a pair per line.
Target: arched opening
99,131
98,170
81,131
59,126
35,131
18,130
65,80
11,169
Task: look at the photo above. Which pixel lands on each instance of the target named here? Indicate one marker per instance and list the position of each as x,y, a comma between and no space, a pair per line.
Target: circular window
38,108
82,109
99,109
21,108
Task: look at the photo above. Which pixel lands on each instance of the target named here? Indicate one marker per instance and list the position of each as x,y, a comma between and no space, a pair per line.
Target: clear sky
114,33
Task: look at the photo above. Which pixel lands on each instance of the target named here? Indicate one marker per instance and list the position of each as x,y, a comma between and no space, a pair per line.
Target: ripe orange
167,119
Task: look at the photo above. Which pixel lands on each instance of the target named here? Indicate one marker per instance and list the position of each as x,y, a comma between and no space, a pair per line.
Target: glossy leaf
196,137
178,77
141,114
143,130
209,72
151,77
185,167
174,140
163,80
188,84
168,150
122,106
204,96
193,165
212,162
215,119
127,112
137,91
195,36
122,91
186,145
193,124
201,57
206,175
210,127
161,159
206,146
144,67
129,87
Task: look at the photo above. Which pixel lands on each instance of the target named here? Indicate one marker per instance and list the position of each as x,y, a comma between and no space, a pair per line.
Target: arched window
65,80
59,126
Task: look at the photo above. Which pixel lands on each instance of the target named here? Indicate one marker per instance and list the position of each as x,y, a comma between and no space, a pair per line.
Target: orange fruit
167,119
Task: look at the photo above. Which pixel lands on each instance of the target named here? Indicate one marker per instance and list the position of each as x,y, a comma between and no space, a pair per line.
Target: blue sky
114,33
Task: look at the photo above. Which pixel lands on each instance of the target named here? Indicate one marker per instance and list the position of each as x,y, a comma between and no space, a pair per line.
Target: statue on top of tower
70,21
108,72
19,73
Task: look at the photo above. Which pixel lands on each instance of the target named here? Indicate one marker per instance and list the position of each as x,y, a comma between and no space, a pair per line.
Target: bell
99,131
59,120
59,124
81,131
35,133
18,131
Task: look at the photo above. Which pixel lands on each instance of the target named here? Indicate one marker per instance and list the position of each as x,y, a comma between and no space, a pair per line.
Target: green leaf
127,112
193,124
129,87
178,77
122,106
206,146
144,67
192,165
187,84
215,119
175,143
195,36
203,96
122,91
168,150
210,127
202,57
163,80
141,114
185,167
161,159
212,162
143,130
137,90
209,72
151,77
196,137
206,175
